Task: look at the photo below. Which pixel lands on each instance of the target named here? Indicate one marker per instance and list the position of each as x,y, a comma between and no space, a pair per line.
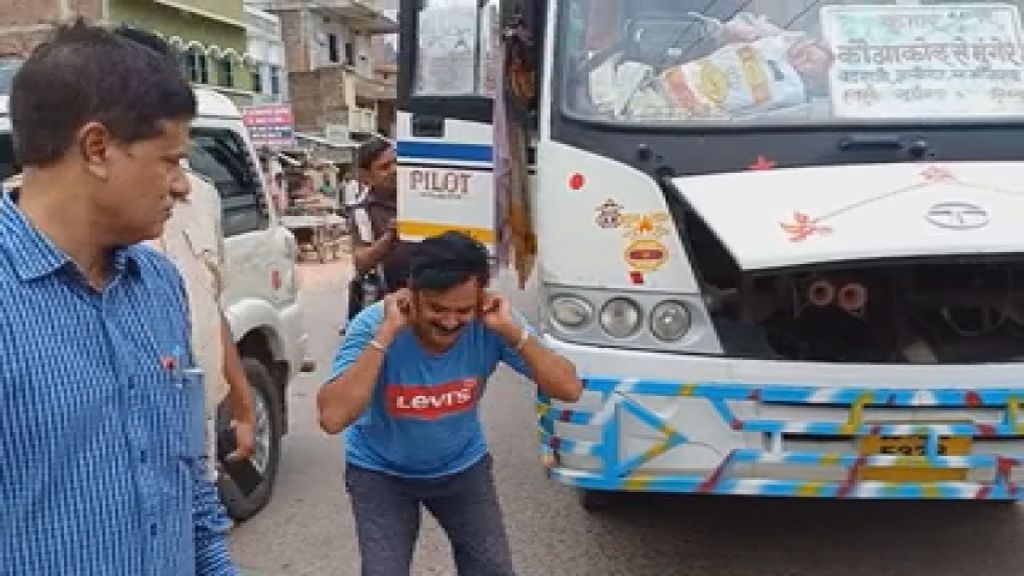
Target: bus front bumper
789,440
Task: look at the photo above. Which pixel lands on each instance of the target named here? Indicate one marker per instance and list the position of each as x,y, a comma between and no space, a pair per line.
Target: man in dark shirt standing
381,260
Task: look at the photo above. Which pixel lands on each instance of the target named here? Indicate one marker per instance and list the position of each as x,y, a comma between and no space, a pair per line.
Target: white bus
781,239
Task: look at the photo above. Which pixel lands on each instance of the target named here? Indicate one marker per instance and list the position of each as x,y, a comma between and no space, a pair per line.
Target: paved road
307,528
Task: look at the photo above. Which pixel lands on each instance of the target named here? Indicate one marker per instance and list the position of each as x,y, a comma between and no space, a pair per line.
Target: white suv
261,292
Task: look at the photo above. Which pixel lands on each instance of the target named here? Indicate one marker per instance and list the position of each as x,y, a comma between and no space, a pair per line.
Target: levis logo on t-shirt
432,402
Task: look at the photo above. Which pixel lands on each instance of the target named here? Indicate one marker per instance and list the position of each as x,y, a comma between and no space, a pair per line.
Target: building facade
266,50
211,37
334,89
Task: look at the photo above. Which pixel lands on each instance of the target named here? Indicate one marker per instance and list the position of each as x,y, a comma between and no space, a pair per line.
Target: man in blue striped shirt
101,409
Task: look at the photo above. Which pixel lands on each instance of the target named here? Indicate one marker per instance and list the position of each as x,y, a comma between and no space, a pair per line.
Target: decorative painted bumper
625,474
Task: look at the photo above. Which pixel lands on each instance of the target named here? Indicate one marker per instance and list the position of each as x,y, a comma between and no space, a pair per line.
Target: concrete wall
318,98
307,45
25,23
323,91
296,41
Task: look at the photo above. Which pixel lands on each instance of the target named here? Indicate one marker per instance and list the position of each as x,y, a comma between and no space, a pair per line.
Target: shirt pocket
172,405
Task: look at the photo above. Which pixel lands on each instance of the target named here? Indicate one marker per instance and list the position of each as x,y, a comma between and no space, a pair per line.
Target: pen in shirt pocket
186,368
176,364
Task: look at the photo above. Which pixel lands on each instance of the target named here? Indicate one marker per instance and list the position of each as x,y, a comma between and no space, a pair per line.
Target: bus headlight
571,312
670,321
621,317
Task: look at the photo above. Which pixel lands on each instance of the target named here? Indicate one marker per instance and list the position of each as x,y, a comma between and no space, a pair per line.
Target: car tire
269,411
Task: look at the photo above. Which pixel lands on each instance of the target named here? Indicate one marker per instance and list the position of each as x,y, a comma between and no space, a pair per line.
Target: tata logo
958,216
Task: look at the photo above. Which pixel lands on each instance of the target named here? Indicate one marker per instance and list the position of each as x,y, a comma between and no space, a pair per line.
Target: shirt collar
32,253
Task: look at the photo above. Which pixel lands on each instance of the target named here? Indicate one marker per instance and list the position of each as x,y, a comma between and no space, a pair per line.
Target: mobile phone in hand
242,472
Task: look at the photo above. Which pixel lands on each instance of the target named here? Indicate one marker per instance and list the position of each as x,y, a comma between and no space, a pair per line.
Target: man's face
383,171
142,182
438,317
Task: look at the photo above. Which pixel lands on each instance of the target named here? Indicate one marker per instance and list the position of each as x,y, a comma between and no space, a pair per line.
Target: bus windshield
758,62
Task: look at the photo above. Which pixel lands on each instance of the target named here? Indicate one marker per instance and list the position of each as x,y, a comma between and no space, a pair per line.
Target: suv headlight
571,312
621,317
670,321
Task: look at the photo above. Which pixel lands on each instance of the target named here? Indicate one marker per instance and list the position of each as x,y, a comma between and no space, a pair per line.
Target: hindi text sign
925,61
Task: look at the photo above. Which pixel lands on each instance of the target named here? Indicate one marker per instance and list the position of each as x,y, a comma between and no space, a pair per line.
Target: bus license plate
913,446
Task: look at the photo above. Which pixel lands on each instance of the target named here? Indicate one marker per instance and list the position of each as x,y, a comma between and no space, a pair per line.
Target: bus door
448,77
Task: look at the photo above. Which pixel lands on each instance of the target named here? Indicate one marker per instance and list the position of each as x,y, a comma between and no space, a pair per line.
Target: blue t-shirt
423,420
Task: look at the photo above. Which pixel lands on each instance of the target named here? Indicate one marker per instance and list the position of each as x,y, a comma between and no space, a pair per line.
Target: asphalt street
307,528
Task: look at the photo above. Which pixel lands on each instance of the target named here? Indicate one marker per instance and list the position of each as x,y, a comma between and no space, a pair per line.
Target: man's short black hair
84,73
371,150
451,259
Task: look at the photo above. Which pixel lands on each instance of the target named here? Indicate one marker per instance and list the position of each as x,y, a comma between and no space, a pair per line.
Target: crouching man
406,387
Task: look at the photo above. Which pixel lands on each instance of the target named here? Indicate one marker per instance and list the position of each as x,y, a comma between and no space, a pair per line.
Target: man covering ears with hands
406,387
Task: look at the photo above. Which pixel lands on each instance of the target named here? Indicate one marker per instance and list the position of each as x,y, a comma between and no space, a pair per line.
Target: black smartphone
242,472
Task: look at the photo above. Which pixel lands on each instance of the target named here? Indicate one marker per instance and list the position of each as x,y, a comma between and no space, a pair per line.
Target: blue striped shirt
101,420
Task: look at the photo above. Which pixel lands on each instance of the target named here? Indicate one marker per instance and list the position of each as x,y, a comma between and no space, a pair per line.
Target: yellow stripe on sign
427,229
1013,409
831,459
687,389
636,483
810,489
856,415
655,451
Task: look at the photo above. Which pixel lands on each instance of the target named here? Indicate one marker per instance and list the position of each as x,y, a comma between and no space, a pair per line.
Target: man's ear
94,142
412,305
487,301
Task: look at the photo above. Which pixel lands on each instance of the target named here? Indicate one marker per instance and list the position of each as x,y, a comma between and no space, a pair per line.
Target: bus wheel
595,500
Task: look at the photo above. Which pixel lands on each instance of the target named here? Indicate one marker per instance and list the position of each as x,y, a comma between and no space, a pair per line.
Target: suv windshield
730,62
7,165
8,66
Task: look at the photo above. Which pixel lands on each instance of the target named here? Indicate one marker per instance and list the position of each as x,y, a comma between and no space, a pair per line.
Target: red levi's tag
432,402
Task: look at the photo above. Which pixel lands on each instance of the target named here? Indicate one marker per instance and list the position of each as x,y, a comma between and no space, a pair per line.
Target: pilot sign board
434,199
438,183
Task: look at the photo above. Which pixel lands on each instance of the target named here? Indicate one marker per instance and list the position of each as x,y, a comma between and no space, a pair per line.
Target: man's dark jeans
387,512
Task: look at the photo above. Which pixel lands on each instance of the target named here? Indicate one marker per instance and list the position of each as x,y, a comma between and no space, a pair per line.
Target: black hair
370,151
448,260
126,80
